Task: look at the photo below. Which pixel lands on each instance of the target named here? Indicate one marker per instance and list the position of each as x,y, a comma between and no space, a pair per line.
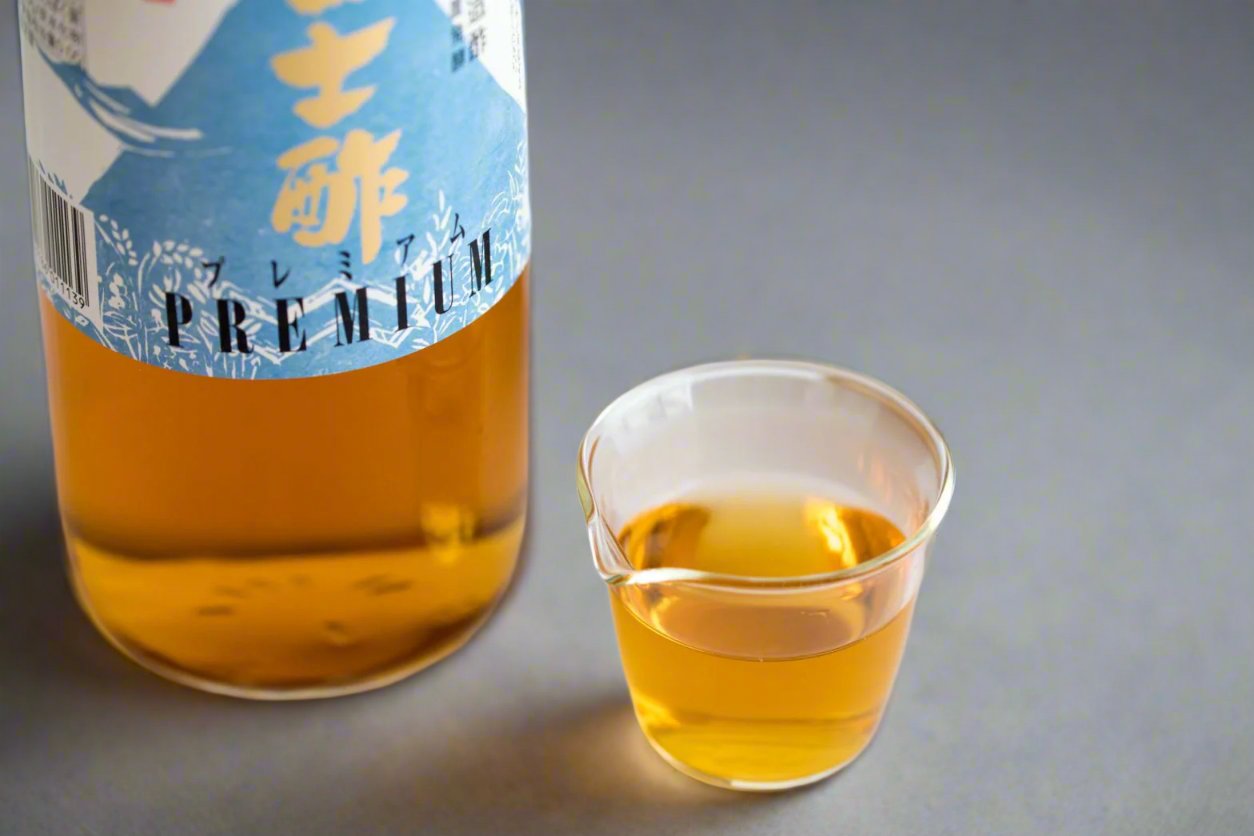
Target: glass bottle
283,252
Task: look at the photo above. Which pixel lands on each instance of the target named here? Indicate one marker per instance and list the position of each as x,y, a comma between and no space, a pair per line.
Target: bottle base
293,627
181,676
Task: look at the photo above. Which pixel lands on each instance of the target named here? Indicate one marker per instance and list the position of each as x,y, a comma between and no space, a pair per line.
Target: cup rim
867,385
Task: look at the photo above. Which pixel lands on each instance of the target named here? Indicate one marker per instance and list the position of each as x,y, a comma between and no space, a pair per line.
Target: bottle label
275,188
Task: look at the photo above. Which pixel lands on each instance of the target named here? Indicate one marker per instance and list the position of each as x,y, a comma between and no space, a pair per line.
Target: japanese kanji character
326,64
321,194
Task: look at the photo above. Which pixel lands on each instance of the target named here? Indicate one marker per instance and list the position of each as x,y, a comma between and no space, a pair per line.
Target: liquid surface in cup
732,718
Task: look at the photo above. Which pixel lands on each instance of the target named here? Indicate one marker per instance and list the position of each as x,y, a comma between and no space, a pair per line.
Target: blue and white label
267,189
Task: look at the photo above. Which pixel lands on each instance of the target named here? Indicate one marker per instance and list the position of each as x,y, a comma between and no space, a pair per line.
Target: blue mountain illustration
121,112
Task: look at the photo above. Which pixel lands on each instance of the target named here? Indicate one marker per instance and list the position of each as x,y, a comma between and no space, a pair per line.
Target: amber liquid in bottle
740,718
300,537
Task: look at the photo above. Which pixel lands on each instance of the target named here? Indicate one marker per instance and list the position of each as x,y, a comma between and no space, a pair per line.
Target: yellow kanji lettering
325,66
319,202
316,7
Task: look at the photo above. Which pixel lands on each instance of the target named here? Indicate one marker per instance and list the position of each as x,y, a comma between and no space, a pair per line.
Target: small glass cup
770,682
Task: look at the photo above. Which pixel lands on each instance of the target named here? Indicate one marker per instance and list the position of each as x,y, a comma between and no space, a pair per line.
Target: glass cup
762,680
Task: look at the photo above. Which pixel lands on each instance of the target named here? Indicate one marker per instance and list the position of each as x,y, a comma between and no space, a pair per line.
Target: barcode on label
65,244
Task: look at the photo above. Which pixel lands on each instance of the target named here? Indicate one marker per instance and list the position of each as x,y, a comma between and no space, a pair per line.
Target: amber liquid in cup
744,719
762,527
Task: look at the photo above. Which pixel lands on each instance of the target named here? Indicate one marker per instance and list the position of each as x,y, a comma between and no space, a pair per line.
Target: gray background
1034,218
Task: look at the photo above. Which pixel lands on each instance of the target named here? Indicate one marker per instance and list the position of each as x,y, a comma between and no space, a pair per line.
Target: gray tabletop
1035,219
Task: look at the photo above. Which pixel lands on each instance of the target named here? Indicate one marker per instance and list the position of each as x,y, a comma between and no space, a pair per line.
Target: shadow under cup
763,683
